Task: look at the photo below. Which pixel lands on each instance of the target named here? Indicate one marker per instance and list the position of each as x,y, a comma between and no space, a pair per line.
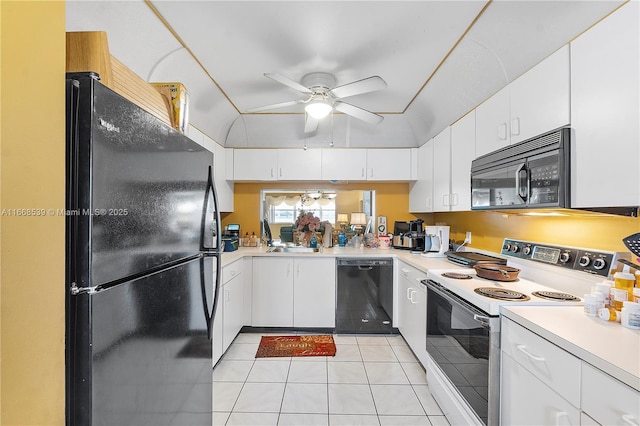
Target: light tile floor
372,380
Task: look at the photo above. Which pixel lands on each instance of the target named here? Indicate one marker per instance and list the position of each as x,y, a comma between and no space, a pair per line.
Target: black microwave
531,174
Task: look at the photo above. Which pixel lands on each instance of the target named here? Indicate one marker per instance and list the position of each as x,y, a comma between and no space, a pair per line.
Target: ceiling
440,59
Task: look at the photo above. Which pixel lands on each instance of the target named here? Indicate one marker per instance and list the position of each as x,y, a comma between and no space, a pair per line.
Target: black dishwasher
364,296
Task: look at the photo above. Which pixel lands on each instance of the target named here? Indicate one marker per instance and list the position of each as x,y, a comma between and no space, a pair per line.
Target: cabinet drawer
555,367
413,275
230,271
607,400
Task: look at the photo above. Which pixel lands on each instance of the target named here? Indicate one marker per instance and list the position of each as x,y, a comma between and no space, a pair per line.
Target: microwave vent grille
548,141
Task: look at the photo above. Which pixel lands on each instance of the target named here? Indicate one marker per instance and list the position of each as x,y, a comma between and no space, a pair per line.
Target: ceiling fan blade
288,82
357,112
310,124
273,106
370,84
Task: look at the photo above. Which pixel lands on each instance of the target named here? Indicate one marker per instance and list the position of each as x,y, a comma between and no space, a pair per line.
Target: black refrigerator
142,265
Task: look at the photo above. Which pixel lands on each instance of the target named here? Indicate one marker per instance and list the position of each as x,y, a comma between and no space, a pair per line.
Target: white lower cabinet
293,292
608,401
542,384
233,300
412,309
526,400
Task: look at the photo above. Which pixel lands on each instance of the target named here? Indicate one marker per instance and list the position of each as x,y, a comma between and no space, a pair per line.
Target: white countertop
606,345
414,259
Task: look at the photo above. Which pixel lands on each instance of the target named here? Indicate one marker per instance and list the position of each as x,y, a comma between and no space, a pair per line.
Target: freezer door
139,192
141,352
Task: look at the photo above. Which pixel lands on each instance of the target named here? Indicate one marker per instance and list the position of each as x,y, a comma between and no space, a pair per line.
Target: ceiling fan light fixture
318,109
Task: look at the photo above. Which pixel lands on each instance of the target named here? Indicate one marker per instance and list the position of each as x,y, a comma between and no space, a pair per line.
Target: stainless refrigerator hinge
75,290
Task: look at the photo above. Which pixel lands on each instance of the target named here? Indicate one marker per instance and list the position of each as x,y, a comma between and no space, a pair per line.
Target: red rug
304,345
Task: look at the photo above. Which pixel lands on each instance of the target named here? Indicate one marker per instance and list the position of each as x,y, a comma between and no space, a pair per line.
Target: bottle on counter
253,240
592,304
342,239
622,290
630,315
313,242
605,288
247,240
609,314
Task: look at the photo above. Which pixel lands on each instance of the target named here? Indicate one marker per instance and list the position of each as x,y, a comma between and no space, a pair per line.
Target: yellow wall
32,176
488,228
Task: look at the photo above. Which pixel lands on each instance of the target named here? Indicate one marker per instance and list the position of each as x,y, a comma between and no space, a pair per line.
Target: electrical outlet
468,237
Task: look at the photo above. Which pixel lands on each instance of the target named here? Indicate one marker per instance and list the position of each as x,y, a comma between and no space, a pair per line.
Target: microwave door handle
519,189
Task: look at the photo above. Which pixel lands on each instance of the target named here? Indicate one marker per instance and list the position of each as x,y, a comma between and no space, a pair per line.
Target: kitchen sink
293,249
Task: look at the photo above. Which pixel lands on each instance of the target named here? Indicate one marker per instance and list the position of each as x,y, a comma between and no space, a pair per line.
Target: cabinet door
525,400
272,295
605,112
463,152
421,191
442,171
255,164
607,400
540,98
224,188
388,164
492,123
314,292
344,164
299,164
232,297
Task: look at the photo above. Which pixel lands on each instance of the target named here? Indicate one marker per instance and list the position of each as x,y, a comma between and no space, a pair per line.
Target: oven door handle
483,319
522,174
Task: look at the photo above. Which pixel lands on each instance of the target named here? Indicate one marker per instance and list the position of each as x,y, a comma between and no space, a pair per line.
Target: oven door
504,186
464,343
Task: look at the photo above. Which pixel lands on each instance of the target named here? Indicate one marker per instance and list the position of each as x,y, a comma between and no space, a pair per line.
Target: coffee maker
436,241
413,237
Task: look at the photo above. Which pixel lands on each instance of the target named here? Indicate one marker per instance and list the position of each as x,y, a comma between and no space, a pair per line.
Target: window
283,212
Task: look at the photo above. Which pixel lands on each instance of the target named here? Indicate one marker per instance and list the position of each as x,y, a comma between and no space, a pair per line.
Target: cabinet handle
411,299
272,172
560,415
502,131
363,172
371,172
405,272
515,126
409,290
280,170
523,349
288,269
628,419
445,200
454,199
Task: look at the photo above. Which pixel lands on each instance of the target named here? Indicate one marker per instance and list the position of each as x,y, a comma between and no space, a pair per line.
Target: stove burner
456,276
501,293
555,295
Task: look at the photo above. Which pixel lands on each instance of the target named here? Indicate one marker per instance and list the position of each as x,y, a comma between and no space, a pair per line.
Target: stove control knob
565,257
506,247
527,250
515,248
599,264
584,261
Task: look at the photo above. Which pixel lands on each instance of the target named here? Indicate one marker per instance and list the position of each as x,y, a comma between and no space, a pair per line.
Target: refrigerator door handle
210,193
209,316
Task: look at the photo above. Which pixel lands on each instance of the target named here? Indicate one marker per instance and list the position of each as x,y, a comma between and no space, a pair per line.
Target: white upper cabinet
540,98
535,103
344,164
388,164
492,123
299,164
421,191
605,112
463,152
442,171
255,164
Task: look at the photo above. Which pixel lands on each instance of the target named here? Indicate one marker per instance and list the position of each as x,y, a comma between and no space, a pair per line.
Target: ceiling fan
323,97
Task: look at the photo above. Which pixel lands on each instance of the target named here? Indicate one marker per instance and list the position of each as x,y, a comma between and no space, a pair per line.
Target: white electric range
463,321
